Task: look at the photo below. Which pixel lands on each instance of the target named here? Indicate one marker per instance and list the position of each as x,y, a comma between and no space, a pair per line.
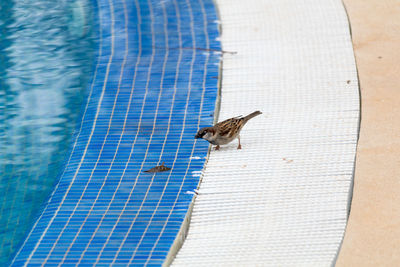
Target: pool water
46,54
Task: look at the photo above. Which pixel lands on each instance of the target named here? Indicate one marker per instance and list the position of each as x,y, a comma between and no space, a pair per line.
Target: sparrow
226,131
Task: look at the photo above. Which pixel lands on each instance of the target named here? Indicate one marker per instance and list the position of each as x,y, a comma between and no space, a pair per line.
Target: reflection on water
46,55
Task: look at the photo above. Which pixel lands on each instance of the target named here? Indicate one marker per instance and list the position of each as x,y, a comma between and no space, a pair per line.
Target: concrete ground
373,231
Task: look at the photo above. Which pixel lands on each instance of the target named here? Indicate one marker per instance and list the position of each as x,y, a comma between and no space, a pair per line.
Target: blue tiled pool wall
154,85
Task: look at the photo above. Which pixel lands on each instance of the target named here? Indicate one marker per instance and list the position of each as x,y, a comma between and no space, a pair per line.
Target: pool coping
223,226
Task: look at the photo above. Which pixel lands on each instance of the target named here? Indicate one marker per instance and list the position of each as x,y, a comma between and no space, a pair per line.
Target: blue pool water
46,58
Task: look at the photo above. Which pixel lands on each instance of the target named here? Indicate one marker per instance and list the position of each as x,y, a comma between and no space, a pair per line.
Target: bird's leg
239,146
217,147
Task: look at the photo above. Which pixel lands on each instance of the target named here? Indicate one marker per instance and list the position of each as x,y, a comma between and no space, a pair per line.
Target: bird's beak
197,136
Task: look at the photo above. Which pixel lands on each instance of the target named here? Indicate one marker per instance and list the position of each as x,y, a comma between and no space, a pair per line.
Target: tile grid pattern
151,91
282,200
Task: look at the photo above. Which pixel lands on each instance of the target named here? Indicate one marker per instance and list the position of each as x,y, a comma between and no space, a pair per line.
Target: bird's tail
252,115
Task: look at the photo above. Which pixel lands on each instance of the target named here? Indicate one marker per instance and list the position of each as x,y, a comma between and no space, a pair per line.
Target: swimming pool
154,84
46,50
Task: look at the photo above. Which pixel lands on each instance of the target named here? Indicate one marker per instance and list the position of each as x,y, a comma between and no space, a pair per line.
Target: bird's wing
229,127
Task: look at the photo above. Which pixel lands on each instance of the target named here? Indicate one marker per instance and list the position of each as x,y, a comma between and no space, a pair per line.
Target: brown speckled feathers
232,126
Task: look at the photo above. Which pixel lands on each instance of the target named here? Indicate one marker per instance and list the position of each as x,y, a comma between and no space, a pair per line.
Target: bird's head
205,133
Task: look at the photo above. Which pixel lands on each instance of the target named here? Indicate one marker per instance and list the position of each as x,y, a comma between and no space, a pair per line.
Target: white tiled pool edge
283,199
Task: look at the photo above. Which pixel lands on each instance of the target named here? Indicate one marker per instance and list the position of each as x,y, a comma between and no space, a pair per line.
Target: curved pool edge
43,243
283,199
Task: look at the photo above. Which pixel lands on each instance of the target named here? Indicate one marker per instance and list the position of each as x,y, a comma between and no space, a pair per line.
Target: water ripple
46,55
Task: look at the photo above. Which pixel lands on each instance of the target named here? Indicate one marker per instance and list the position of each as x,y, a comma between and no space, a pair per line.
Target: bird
226,131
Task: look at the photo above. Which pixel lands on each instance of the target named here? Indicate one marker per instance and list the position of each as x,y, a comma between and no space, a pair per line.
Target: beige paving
373,233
